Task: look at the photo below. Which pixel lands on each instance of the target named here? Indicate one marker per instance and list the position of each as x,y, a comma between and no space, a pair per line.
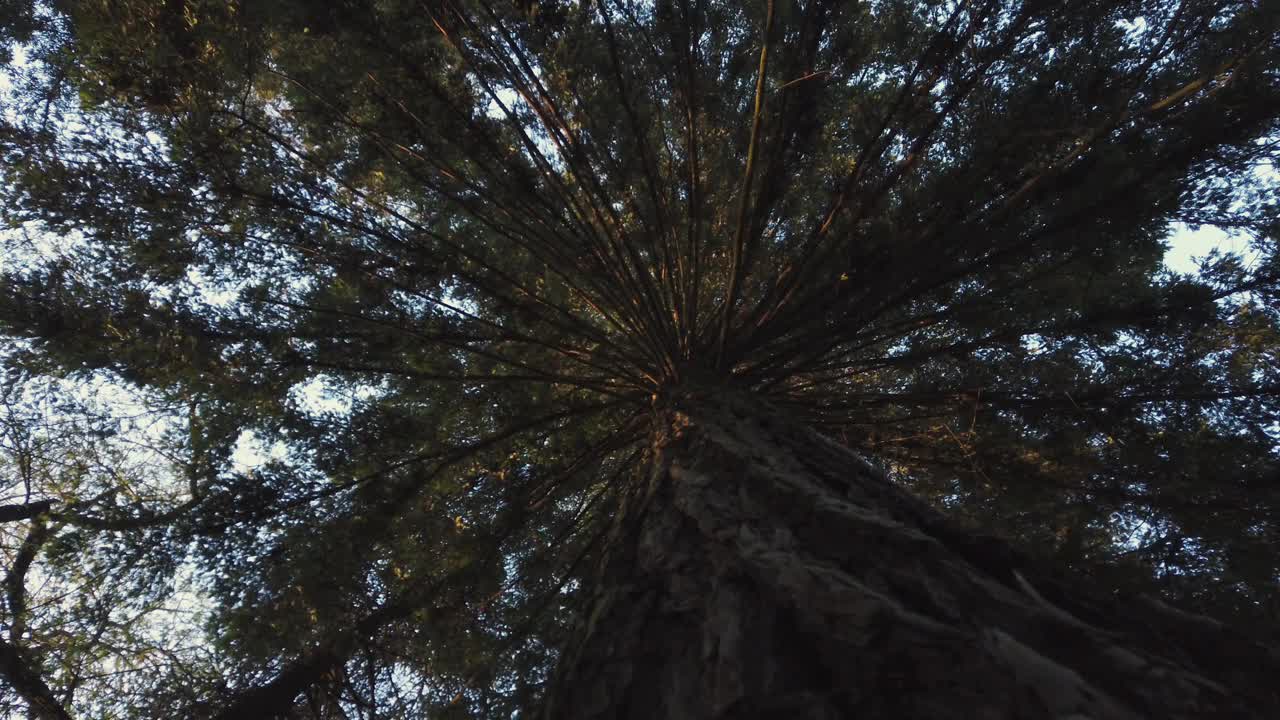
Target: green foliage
436,259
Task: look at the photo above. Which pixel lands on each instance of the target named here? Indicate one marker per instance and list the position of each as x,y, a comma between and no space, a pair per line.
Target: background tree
482,279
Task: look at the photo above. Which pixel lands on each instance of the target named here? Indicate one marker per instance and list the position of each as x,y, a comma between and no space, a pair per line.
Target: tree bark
24,511
764,571
22,674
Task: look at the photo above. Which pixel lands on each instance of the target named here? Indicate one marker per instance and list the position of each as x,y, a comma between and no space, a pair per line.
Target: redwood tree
609,359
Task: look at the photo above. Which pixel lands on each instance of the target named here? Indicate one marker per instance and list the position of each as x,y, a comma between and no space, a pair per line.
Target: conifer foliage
338,334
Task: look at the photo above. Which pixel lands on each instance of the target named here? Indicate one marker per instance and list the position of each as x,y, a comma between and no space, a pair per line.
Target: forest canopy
332,334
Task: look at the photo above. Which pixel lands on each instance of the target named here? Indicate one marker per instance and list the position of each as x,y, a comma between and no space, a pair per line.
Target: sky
1187,246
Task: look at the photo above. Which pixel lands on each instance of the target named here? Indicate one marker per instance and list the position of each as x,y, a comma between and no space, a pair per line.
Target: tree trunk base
767,572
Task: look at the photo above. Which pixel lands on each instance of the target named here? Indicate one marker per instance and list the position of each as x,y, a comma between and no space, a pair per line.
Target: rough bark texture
767,572
22,675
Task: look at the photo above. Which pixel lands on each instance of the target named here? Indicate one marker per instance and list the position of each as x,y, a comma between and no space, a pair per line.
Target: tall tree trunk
765,571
